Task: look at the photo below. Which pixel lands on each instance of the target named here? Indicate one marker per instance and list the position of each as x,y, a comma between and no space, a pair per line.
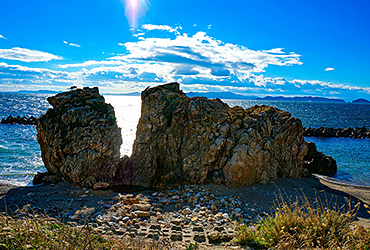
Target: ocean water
20,156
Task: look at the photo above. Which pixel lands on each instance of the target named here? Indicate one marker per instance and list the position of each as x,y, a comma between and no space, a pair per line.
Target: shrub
302,224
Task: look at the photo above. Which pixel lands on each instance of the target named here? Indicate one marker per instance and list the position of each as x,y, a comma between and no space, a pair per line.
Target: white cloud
160,27
208,55
209,26
2,37
27,55
329,69
72,44
198,61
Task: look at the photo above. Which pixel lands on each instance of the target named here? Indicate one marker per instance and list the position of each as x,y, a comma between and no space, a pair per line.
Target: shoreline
324,179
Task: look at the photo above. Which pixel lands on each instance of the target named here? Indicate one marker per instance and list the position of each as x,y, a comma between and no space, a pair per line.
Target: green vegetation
306,225
192,246
37,232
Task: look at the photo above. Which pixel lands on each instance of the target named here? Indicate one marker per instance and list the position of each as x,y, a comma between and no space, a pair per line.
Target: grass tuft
307,225
42,232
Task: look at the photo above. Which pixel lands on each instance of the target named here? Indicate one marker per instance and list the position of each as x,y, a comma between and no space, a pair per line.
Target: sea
20,155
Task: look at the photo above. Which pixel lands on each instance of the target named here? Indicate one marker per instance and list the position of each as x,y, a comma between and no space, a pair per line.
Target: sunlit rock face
182,140
79,138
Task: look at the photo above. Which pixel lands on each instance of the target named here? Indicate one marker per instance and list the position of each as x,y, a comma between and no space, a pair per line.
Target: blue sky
316,47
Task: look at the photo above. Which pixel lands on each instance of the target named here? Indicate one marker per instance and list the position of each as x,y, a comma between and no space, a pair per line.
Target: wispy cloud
27,55
2,37
329,69
161,27
72,44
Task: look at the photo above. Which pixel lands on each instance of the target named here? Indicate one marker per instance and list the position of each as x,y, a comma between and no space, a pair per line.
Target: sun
134,9
133,3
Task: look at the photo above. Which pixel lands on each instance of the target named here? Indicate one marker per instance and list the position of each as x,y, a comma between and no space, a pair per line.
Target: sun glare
135,9
133,3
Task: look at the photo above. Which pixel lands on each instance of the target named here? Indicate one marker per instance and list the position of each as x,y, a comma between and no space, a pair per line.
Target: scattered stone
214,237
142,207
101,185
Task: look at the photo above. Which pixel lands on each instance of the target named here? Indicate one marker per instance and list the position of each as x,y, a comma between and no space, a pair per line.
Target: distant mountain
221,95
361,101
41,91
301,99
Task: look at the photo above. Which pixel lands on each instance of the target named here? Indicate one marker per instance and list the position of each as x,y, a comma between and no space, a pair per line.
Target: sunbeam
134,9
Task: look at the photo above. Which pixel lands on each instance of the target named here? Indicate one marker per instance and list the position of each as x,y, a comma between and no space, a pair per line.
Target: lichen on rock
79,137
182,140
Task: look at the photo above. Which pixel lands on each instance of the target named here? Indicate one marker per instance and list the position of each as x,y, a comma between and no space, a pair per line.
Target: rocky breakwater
79,138
182,140
19,120
361,133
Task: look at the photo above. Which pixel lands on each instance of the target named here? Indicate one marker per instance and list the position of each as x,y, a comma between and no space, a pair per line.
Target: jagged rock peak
79,137
182,140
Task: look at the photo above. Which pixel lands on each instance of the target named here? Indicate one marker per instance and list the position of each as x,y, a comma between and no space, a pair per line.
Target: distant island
230,95
361,101
225,95
301,99
221,95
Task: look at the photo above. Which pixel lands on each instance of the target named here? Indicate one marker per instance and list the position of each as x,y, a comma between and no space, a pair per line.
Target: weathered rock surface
198,140
317,162
79,137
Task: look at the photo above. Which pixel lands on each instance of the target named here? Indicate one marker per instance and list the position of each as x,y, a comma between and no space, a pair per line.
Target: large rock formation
79,137
196,140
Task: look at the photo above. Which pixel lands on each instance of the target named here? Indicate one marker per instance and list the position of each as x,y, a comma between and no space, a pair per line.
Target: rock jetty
19,120
79,138
361,133
182,140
